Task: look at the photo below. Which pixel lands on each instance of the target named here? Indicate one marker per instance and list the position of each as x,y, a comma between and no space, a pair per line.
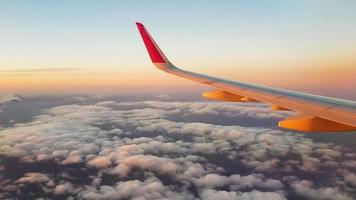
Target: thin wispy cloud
40,70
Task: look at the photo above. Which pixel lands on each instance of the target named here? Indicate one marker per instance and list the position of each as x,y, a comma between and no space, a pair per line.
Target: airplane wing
314,113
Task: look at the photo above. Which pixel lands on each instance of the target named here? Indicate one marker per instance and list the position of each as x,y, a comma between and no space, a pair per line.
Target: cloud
7,99
54,69
10,98
163,96
100,162
37,71
33,178
256,195
62,189
238,182
135,189
253,195
147,150
213,194
305,189
71,159
146,162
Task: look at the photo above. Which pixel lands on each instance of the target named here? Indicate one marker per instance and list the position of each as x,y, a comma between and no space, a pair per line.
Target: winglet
154,51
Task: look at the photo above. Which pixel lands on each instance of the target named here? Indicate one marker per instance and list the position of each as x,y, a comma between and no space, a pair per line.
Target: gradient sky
90,46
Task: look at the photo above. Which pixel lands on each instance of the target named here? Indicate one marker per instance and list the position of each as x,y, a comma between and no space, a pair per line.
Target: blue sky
75,29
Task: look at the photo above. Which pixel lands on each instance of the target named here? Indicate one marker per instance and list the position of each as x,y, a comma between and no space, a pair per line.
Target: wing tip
154,52
139,24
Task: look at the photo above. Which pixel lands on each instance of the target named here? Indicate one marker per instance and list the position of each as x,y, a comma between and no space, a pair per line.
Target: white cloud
214,194
305,189
146,162
237,182
149,189
253,195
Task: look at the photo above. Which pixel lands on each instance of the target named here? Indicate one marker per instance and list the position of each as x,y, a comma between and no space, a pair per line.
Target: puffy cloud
213,194
100,162
33,178
253,195
212,181
62,189
42,181
310,163
194,170
238,182
256,195
305,189
71,159
143,162
350,163
135,189
350,178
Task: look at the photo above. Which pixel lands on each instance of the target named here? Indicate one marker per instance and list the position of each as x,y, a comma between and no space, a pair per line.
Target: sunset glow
51,47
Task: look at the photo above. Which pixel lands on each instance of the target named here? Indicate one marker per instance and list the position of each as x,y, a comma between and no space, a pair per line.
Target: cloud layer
168,150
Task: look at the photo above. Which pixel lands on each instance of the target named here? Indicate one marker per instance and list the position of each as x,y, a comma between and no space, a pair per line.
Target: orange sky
323,80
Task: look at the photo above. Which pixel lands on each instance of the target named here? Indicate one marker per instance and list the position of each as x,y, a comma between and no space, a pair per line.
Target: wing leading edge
314,113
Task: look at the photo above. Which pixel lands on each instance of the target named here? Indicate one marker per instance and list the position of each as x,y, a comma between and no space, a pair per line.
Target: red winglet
153,50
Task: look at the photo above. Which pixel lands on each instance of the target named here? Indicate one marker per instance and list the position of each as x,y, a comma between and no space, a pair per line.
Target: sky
52,47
